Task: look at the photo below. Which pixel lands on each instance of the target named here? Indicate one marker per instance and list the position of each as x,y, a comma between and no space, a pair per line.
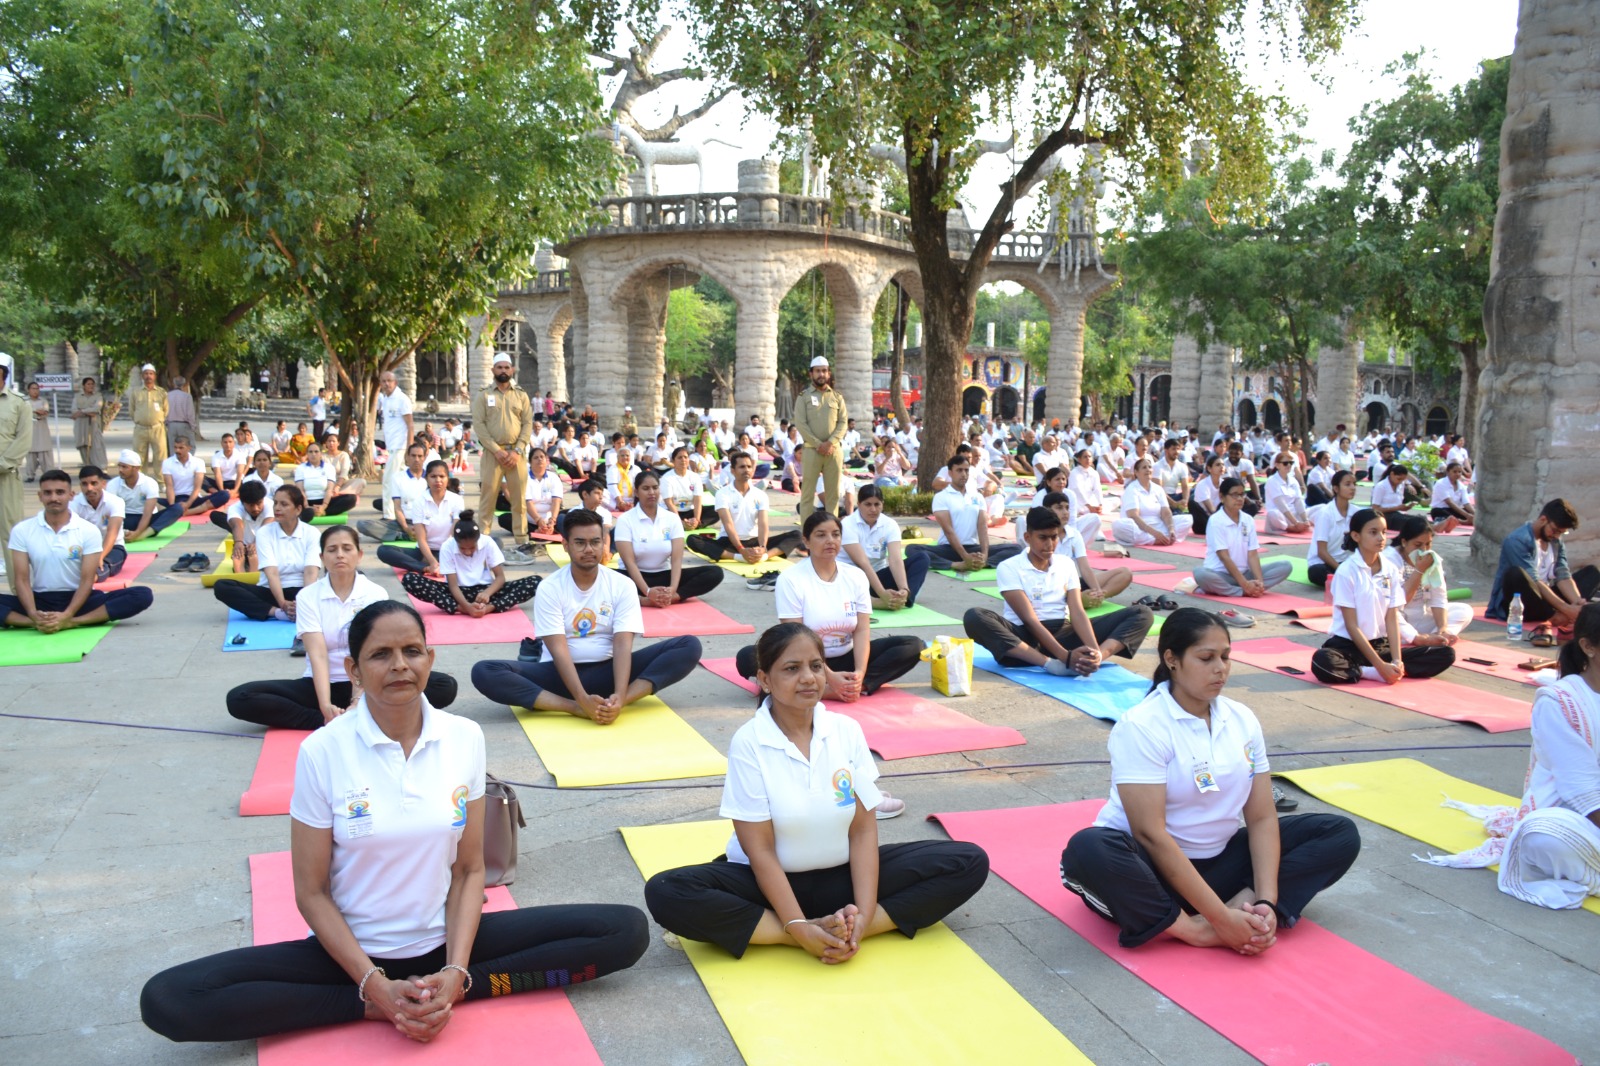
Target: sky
1456,34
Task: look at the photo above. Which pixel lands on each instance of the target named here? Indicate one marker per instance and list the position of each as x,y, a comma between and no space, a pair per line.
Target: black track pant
1339,661
692,580
252,601
513,683
293,704
1128,626
888,659
715,547
1534,608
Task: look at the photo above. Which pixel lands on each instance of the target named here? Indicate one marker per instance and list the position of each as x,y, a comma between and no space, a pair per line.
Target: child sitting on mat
474,572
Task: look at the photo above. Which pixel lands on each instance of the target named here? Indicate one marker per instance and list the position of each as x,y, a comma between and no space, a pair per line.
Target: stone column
578,380
1214,402
758,176
88,360
755,387
606,365
1185,404
313,376
55,358
405,376
553,357
238,383
1338,389
458,378
480,355
852,350
1540,410
647,340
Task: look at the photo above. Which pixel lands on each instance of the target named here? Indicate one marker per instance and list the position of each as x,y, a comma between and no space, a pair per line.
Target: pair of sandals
196,563
1157,603
1546,635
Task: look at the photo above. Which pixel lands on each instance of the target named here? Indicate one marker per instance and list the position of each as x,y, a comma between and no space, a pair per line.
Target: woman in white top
344,484
836,602
287,552
386,841
1344,457
433,516
1285,499
1428,617
1329,524
872,544
1147,517
263,469
804,867
319,480
1233,565
1189,844
1319,480
474,572
1110,464
1205,499
650,540
1365,640
1084,483
323,614
684,488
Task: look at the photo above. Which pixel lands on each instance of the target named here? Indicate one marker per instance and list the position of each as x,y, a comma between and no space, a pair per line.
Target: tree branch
666,130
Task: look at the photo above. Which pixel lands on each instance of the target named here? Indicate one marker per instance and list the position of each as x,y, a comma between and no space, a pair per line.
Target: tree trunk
897,360
947,318
1467,416
360,411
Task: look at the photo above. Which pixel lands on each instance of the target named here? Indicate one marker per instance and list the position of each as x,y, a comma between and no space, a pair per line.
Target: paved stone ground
125,854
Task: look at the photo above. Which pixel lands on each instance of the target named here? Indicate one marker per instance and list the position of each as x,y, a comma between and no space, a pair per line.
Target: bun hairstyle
776,640
333,532
1587,627
466,526
1182,630
1358,522
1410,528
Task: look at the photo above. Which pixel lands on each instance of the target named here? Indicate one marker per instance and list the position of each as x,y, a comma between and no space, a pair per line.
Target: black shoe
1281,800
531,651
183,562
200,563
298,648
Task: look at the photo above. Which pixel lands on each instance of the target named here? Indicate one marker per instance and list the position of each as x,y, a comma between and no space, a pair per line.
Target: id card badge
489,401
1204,780
358,813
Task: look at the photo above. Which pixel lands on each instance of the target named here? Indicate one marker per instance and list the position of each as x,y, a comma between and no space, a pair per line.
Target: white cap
148,366
821,361
501,357
128,457
626,408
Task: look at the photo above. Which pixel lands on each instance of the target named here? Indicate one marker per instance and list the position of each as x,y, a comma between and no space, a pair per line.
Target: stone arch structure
1375,415
974,400
1247,416
1006,403
1439,420
1158,402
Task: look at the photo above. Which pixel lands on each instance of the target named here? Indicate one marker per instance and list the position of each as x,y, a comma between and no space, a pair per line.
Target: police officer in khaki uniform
502,420
16,434
149,407
821,416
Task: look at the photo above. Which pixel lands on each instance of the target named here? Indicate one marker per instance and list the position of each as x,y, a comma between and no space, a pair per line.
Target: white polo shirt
318,609
1279,488
134,497
272,482
1385,495
252,526
1208,773
1445,493
681,492
1170,476
1237,538
396,821
1330,526
474,569
1070,545
587,619
1046,589
874,539
1371,594
437,520
1207,491
544,493
185,476
1084,485
55,557
100,517
1146,503
830,608
229,467
809,798
392,411
651,538
742,508
291,553
314,480
966,510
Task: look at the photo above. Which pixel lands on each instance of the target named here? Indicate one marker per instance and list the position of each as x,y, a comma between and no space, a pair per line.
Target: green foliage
694,327
805,326
1006,310
906,501
26,324
1427,463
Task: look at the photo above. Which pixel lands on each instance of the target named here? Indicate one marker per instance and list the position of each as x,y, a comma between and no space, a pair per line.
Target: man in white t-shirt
586,618
184,473
242,519
143,515
228,465
743,511
963,517
53,559
409,487
1044,621
397,427
105,512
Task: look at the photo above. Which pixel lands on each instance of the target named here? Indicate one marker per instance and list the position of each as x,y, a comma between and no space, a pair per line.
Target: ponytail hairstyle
815,519
1182,630
1340,478
1574,660
1358,522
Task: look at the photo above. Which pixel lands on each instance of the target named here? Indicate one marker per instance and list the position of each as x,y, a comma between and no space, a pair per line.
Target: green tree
805,328
1138,76
1424,172
694,326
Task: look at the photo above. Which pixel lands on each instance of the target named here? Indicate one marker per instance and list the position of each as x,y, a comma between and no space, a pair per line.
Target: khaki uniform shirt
503,419
16,430
821,416
149,406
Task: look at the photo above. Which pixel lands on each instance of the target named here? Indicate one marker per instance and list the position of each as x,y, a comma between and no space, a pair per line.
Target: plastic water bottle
1514,618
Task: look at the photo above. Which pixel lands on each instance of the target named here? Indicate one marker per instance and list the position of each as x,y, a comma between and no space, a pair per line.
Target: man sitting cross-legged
587,618
54,558
962,514
743,509
105,512
241,520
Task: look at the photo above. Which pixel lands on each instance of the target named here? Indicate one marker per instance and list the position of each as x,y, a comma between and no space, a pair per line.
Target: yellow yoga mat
647,742
744,569
1404,795
928,1000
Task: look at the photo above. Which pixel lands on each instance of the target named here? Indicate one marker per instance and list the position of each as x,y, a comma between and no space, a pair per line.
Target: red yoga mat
507,627
131,569
1313,997
1272,602
1431,696
1499,660
532,1027
899,725
691,617
273,782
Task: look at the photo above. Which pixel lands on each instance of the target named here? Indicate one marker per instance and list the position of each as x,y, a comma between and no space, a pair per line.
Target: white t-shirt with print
830,608
588,619
651,540
474,569
318,609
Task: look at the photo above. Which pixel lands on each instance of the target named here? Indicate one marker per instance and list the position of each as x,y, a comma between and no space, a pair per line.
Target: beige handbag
502,817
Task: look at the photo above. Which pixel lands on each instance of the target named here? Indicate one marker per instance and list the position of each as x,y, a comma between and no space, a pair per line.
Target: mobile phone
1480,662
1292,670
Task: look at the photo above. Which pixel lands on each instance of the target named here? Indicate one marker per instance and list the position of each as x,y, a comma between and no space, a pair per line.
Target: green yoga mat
161,540
1299,572
1105,608
915,615
29,647
970,577
330,520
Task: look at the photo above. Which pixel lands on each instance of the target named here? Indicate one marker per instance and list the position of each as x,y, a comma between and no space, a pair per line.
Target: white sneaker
890,808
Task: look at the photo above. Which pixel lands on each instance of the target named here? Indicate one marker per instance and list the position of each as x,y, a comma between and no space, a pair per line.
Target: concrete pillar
405,376
1214,401
578,379
458,377
647,340
313,376
758,176
237,383
480,355
606,365
88,360
1063,397
55,359
553,356
1338,389
1539,414
852,351
1185,408
756,386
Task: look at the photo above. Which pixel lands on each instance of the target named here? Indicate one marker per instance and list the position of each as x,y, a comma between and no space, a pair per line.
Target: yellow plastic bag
949,659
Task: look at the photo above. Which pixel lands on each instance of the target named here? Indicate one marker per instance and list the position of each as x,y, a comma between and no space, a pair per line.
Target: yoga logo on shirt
583,623
459,799
844,793
358,808
75,553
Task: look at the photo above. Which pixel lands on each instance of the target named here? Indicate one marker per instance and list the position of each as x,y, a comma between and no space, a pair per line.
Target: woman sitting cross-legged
1365,639
433,517
1233,565
1147,517
323,613
872,544
804,867
474,572
1428,617
386,838
650,540
287,552
1167,854
836,602
1327,550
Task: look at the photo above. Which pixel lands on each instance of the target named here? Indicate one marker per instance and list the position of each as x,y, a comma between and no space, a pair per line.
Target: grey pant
1220,582
180,429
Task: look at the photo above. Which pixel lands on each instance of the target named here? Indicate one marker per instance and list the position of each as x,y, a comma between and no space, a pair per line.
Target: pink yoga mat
1431,696
508,627
1188,549
131,569
1313,997
1504,657
899,725
1271,603
273,782
532,1027
691,617
1136,566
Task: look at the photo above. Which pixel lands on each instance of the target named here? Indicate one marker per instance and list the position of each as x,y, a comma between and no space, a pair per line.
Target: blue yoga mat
271,635
1105,694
